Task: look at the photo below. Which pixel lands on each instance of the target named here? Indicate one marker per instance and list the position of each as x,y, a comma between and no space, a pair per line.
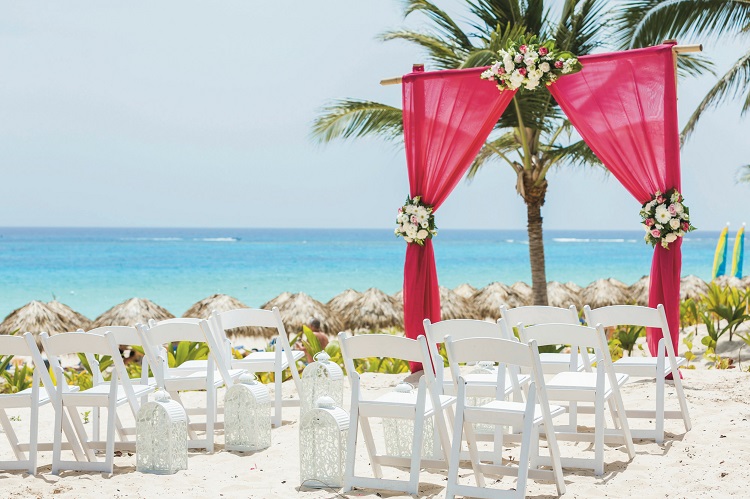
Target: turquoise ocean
92,269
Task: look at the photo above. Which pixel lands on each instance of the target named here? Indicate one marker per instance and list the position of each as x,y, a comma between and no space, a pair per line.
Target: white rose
670,238
532,84
425,224
408,239
422,234
679,208
544,67
684,216
646,227
674,223
680,233
659,226
518,58
529,61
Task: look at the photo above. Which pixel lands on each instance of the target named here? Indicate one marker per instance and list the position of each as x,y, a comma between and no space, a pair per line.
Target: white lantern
247,415
321,378
161,442
322,445
399,433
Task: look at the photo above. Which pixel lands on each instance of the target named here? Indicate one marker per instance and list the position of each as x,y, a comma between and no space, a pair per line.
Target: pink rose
656,233
649,222
672,210
414,219
660,199
558,64
685,226
518,58
543,51
522,49
400,210
522,71
501,71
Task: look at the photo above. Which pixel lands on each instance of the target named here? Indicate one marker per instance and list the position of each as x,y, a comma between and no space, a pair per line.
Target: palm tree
532,136
646,22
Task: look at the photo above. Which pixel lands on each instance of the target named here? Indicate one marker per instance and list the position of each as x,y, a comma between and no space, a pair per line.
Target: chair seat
562,361
483,385
400,405
99,395
644,366
581,382
22,398
265,361
495,411
197,380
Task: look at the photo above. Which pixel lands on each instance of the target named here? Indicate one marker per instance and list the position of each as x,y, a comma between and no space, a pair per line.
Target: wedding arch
624,106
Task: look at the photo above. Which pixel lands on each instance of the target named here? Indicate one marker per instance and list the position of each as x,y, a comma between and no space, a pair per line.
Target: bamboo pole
677,49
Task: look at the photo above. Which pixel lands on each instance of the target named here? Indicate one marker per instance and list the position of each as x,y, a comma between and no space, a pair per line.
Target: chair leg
471,440
659,437
351,443
377,470
681,399
33,438
599,436
523,459
210,417
57,441
455,455
11,435
110,447
278,376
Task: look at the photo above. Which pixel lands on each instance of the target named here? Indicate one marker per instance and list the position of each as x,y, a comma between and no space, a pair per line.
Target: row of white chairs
520,398
220,369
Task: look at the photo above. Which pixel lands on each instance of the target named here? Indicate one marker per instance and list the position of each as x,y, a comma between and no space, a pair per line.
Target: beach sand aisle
709,461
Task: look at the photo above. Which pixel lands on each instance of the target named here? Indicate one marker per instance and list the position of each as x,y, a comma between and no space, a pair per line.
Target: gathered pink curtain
624,105
448,115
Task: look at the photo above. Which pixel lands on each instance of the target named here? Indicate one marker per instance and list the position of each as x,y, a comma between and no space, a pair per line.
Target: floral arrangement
415,221
528,64
665,218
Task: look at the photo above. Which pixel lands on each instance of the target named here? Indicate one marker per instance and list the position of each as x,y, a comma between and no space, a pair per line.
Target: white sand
709,461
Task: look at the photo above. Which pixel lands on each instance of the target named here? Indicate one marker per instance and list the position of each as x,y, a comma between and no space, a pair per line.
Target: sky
197,114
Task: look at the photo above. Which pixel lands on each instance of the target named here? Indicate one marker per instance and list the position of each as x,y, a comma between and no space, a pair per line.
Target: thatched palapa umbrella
374,310
639,291
340,303
70,315
276,302
692,287
222,303
524,291
455,306
297,309
562,295
488,299
399,296
727,281
131,312
466,290
36,317
605,292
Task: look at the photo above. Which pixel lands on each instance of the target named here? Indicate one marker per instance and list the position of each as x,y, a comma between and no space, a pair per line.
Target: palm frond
743,175
576,154
735,82
694,64
446,28
647,22
351,118
441,54
580,30
491,13
504,145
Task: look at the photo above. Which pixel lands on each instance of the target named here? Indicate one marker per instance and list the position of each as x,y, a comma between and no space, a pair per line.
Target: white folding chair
531,416
30,398
658,367
552,363
425,403
278,361
119,391
177,379
600,387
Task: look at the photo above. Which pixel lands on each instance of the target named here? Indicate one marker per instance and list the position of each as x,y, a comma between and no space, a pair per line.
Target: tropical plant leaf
351,118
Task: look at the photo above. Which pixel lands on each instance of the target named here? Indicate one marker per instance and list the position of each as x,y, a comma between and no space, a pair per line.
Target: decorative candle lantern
321,378
322,445
161,442
247,415
399,433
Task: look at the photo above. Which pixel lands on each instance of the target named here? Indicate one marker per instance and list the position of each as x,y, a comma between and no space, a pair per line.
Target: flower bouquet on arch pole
665,218
415,221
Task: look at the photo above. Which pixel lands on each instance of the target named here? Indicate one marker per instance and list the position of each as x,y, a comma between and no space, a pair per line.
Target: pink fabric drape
624,105
447,117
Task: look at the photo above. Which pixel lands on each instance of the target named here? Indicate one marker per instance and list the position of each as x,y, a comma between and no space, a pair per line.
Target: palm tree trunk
534,197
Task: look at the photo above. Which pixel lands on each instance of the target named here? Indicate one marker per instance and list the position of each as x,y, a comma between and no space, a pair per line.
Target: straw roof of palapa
276,302
399,296
639,291
374,310
36,317
297,310
343,301
605,292
131,312
729,281
692,287
466,290
488,299
524,291
223,303
70,315
561,295
455,306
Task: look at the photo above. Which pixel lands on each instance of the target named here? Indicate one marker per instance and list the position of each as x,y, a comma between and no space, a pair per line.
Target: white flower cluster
665,218
415,221
529,65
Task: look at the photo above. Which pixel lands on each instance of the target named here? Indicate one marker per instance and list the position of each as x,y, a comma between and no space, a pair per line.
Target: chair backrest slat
14,345
382,345
244,317
494,349
70,343
619,315
560,334
168,332
124,335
